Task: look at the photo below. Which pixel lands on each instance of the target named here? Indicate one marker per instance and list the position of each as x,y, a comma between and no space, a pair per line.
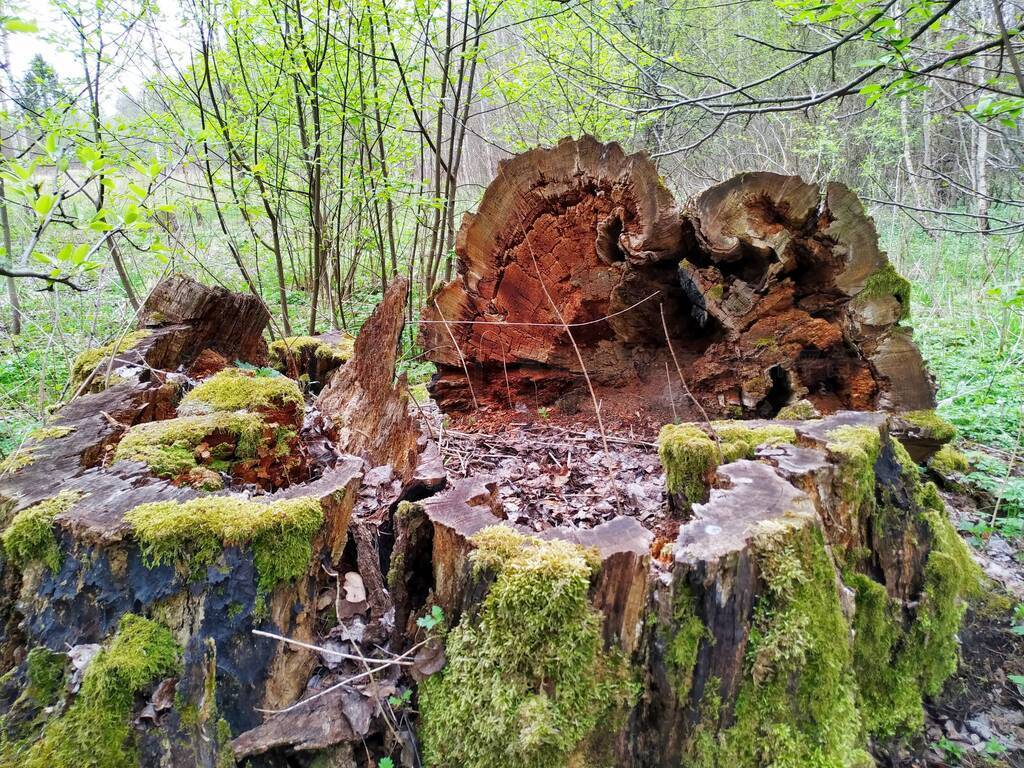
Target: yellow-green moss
19,459
30,537
193,533
948,460
857,449
236,390
50,433
339,352
740,440
797,704
683,644
800,410
45,670
88,360
888,282
527,682
95,732
690,455
888,687
896,666
168,447
931,425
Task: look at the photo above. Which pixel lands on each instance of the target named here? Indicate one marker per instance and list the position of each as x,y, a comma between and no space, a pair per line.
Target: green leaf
78,257
20,25
43,204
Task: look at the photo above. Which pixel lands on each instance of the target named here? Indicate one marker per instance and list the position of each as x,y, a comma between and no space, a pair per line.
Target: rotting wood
774,291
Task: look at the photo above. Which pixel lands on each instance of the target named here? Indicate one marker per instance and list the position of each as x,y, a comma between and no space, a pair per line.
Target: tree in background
41,89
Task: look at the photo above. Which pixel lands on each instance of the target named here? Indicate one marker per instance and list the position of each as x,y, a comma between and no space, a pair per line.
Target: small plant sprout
432,620
401,701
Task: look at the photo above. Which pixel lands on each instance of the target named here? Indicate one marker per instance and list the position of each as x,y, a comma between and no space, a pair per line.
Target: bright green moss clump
690,455
235,390
858,449
88,360
931,424
95,732
888,282
948,460
527,682
168,447
30,537
195,532
797,705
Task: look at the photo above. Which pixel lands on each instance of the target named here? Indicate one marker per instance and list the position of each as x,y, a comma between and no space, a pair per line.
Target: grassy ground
972,336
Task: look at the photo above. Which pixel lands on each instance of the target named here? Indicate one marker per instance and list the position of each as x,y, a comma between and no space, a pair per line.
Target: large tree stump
772,291
792,598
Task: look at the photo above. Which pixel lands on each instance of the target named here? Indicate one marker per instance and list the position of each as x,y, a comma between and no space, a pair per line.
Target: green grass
973,340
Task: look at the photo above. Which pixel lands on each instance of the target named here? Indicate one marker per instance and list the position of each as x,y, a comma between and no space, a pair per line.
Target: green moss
950,576
50,433
195,532
88,360
338,353
800,410
857,449
931,425
888,688
45,674
888,282
690,455
236,390
897,664
19,459
527,682
95,732
948,460
797,705
30,537
168,447
684,643
740,440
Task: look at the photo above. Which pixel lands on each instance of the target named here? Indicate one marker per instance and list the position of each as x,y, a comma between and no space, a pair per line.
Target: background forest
309,150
